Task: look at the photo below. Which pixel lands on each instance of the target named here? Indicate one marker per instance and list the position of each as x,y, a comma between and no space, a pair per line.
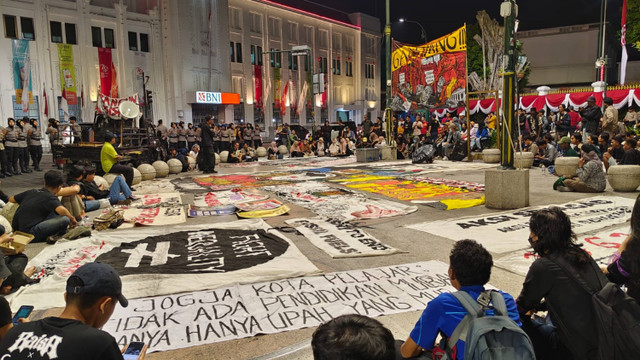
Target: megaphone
129,109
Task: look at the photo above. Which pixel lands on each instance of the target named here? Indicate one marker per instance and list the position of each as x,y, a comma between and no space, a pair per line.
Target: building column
157,83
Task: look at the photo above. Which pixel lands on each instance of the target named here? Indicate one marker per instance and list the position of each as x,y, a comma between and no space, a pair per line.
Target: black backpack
617,316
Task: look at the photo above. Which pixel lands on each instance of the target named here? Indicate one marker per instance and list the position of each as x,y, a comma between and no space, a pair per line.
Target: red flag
623,42
64,105
46,104
114,82
283,100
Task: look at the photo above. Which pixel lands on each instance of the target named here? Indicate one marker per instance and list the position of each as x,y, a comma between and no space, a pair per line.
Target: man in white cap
93,291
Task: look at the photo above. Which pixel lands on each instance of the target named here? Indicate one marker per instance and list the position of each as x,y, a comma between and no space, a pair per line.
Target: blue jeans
91,205
119,186
52,225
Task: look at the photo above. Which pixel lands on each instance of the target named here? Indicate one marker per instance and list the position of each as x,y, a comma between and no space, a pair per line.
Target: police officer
35,145
191,137
23,151
76,130
182,136
11,144
173,134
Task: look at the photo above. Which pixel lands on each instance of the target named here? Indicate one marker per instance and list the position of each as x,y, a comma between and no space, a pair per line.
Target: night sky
440,17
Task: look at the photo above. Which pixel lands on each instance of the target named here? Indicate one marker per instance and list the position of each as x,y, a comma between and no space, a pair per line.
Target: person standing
182,137
4,171
591,116
35,145
191,136
257,140
76,130
11,143
248,135
161,132
23,152
208,163
609,121
173,134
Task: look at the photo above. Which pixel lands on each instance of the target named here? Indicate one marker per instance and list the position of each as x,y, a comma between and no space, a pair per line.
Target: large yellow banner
67,73
454,42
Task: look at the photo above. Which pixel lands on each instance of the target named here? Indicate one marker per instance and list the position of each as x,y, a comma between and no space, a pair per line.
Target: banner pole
466,92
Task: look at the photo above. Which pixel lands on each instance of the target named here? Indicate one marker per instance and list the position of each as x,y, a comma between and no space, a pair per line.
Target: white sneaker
445,158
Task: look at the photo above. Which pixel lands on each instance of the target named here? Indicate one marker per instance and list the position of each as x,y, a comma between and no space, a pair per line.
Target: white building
169,41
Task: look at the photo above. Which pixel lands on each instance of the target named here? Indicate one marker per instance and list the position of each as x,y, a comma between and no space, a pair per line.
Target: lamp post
508,10
423,33
387,41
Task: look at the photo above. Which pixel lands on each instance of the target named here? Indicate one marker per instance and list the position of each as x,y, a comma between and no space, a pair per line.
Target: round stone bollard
175,166
192,162
218,159
162,169
523,160
624,177
110,177
147,171
224,156
491,156
137,177
282,149
566,166
99,180
261,152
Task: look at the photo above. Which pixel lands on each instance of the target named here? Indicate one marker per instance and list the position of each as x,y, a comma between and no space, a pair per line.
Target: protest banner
227,197
220,210
268,204
67,73
146,201
155,209
508,231
264,213
600,246
238,181
340,239
155,261
227,313
429,75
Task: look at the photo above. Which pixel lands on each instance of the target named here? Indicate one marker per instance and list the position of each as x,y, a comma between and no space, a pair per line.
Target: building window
324,36
96,36
348,43
259,55
348,68
258,116
293,32
238,113
256,23
305,59
253,54
144,42
70,32
56,32
295,63
272,58
10,27
232,49
274,28
308,35
133,41
310,115
28,31
234,18
335,43
239,52
109,39
290,61
338,71
323,65
335,68
369,71
278,59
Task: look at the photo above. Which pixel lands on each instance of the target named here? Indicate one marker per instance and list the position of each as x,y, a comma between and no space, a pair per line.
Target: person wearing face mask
11,146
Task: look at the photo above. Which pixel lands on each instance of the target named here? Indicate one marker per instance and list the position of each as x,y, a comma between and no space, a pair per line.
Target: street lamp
423,33
509,11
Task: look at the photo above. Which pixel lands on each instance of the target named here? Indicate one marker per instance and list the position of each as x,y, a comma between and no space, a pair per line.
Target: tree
633,23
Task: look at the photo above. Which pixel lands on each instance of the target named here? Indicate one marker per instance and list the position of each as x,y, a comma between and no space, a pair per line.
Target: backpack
489,337
424,154
617,316
108,220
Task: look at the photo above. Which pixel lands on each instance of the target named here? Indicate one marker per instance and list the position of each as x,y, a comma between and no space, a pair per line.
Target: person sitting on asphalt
530,145
320,149
6,318
631,154
235,156
296,149
40,212
180,156
273,152
92,292
118,193
13,268
566,149
593,140
614,153
248,152
590,175
573,334
353,337
109,159
603,143
547,154
77,200
469,270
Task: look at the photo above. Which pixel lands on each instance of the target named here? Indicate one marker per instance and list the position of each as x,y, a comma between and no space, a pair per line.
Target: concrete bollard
624,177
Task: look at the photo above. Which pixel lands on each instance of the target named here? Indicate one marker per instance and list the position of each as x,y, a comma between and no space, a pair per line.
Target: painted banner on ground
205,317
155,209
340,239
268,204
432,75
329,202
600,246
219,198
157,200
67,73
197,211
157,186
238,181
158,261
264,213
508,231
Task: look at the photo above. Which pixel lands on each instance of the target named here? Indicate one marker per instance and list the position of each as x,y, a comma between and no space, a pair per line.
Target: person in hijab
590,174
320,150
272,151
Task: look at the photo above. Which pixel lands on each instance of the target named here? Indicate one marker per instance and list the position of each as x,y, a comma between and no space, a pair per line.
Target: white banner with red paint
600,246
111,106
156,209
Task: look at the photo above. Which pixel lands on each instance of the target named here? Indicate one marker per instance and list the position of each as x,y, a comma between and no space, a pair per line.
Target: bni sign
205,97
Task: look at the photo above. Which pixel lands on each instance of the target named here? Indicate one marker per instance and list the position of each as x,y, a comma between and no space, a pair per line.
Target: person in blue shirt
469,270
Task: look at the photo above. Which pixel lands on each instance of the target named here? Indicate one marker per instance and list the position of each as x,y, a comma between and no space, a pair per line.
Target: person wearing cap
40,212
109,159
590,175
566,149
591,116
92,294
609,121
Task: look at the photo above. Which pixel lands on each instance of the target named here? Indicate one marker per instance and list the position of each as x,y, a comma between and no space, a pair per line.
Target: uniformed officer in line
76,130
23,147
35,144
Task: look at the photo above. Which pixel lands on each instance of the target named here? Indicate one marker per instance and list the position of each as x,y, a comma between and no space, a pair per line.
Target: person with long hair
590,175
569,332
625,265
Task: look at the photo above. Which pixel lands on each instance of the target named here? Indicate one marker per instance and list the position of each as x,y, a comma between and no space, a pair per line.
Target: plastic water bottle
85,221
544,170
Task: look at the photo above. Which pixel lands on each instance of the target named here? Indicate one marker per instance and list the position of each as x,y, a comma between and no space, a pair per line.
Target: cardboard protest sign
203,317
340,239
508,231
155,261
600,246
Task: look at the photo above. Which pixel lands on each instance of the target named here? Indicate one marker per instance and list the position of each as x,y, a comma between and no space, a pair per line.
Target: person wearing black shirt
591,116
208,160
614,154
40,212
631,154
92,293
119,192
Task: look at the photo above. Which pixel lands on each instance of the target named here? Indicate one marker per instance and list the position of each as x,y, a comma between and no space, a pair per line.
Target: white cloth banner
204,317
155,209
227,197
158,261
340,239
600,246
508,231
